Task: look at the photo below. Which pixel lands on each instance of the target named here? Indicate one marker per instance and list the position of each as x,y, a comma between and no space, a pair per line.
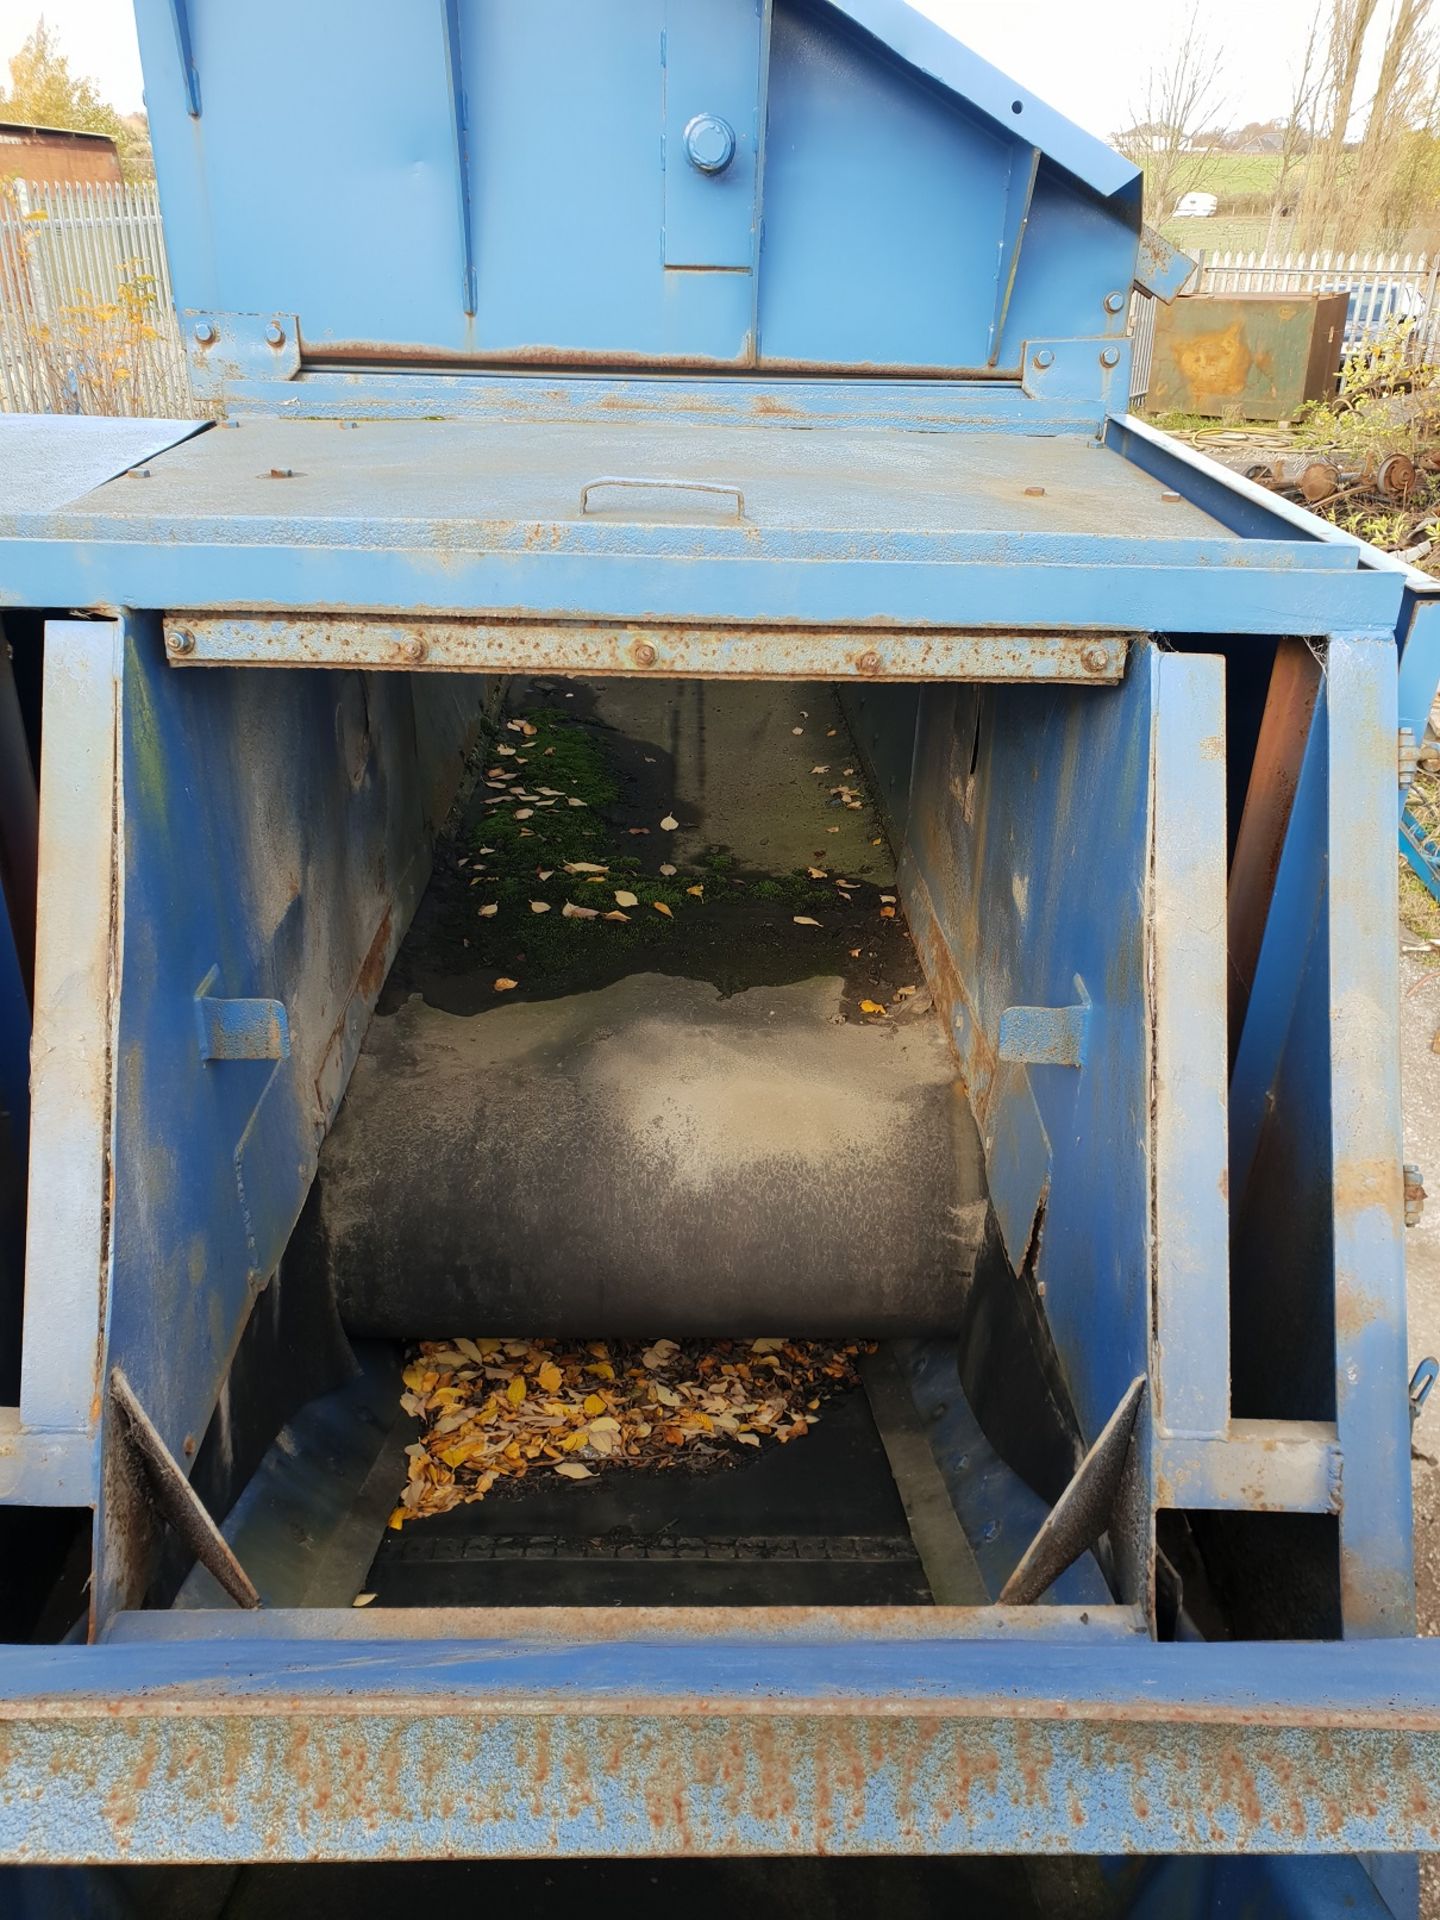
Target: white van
1196,206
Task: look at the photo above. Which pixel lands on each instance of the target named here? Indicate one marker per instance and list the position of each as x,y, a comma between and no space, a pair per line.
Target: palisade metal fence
87,315
1389,287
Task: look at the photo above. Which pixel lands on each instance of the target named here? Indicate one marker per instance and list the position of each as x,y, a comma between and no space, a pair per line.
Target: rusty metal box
1261,356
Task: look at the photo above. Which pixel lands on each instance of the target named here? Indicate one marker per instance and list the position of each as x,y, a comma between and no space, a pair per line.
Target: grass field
1229,174
1222,234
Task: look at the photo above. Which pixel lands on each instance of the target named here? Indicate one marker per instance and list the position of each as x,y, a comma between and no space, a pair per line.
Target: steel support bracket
1160,269
1073,369
239,1029
226,347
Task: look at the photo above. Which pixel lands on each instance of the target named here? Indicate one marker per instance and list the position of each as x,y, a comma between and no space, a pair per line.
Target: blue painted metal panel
926,46
352,184
618,248
1075,256
535,206
855,266
1314,1114
275,828
714,107
1009,787
403,1750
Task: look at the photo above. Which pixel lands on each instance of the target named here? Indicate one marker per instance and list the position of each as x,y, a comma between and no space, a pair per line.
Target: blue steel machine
744,340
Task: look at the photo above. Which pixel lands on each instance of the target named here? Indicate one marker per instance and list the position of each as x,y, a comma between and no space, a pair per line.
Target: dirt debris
495,1410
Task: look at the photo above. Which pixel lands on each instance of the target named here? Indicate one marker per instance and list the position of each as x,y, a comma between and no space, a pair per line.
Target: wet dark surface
740,931
694,1889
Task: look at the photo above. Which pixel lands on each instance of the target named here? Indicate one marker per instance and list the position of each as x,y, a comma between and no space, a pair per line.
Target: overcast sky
1087,58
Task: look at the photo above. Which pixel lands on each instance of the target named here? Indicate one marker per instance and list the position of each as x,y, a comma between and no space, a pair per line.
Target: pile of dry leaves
492,1409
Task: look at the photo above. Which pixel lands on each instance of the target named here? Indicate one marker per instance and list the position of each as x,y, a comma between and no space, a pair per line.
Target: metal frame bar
584,647
77,928
281,1750
1015,585
1371,1368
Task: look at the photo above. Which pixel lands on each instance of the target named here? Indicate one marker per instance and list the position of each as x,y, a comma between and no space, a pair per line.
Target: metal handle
677,486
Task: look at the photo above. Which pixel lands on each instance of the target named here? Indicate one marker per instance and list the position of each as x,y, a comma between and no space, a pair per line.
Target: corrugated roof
66,133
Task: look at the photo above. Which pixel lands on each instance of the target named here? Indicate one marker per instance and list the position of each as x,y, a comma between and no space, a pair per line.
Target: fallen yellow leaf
804,920
871,1006
573,1470
660,907
594,1404
515,1392
550,1377
539,906
669,823
624,898
502,985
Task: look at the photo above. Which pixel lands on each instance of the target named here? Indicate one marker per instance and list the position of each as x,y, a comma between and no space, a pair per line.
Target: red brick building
56,153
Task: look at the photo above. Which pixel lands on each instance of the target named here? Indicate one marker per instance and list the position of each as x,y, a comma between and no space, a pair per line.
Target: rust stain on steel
1362,1184
642,1777
375,965
571,1625
382,355
504,644
1265,818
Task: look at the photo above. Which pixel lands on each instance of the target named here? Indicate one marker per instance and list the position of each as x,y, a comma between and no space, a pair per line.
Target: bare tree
1180,97
1326,175
1380,199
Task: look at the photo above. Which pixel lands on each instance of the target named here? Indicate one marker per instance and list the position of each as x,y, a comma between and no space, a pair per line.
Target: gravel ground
1420,1075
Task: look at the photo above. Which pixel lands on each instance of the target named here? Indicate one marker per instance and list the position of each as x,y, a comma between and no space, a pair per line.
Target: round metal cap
710,143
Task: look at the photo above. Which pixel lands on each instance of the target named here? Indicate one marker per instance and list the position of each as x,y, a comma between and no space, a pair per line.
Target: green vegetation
507,855
1233,174
1225,233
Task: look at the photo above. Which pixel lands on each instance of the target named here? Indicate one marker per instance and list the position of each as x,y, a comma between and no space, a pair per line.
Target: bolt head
709,143
869,661
1114,303
1044,358
1095,659
644,654
204,332
1110,357
414,649
182,642
275,334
